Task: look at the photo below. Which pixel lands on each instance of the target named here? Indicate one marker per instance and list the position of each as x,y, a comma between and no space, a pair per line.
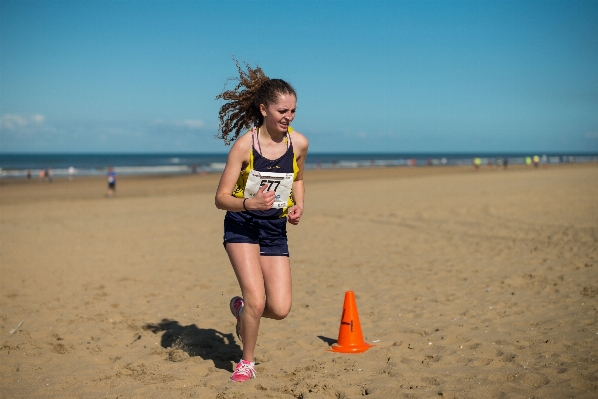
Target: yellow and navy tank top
287,163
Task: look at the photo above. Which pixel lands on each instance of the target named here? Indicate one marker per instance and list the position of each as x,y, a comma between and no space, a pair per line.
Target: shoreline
90,187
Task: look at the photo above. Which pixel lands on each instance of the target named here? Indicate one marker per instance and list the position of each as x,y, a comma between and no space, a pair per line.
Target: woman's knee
280,311
255,307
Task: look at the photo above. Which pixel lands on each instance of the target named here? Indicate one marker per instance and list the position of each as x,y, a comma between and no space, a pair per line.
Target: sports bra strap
256,142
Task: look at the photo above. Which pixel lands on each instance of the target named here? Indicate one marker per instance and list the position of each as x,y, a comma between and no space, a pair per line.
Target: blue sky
371,76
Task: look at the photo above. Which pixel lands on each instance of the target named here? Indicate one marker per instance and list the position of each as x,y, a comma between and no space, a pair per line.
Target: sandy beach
469,284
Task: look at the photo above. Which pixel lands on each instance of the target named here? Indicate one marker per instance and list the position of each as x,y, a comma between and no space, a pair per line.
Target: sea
21,165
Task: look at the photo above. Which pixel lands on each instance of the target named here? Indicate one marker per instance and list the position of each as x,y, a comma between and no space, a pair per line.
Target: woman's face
279,114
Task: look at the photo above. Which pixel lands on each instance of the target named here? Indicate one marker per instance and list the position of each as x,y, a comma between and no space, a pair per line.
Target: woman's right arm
237,157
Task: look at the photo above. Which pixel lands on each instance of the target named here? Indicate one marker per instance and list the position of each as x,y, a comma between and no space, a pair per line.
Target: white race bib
280,183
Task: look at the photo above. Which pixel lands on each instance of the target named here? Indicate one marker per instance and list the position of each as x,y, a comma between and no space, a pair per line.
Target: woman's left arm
300,144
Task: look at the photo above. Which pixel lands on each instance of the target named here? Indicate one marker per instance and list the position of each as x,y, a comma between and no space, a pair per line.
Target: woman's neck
273,136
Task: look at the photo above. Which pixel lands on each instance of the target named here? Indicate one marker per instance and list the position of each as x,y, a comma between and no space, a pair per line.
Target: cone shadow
329,341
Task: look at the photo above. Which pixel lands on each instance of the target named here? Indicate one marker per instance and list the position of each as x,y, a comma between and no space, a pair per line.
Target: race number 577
270,183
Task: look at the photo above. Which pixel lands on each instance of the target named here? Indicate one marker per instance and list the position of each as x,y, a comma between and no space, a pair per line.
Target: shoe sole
232,307
238,326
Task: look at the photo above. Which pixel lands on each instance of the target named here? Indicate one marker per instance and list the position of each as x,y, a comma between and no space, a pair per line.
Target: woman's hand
295,213
262,201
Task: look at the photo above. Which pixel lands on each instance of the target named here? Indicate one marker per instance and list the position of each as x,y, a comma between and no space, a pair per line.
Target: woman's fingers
295,215
264,199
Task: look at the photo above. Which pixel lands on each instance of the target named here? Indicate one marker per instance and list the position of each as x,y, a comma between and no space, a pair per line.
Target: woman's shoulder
299,140
244,141
242,146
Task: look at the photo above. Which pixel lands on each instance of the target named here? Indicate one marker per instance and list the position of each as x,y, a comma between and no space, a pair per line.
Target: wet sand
470,284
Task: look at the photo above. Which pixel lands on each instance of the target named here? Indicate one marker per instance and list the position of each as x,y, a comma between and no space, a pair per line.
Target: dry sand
470,284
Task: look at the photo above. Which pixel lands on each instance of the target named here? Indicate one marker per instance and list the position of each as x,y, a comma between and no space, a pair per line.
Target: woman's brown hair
242,107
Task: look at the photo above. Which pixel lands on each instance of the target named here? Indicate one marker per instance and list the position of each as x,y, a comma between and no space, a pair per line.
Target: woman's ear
263,109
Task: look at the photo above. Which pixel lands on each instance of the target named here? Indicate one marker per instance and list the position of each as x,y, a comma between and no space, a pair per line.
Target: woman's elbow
218,202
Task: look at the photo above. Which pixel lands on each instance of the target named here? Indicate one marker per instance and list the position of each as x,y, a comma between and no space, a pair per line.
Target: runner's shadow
209,344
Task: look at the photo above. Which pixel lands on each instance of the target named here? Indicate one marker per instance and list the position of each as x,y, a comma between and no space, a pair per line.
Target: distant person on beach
477,162
505,162
111,181
544,161
71,172
261,189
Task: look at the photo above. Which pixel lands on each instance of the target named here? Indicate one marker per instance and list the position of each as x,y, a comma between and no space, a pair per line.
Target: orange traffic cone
350,339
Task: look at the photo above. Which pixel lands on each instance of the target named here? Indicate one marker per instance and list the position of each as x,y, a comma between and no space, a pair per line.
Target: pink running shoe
244,371
236,308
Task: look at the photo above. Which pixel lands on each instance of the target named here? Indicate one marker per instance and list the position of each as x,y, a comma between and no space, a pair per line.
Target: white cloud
592,135
187,124
15,121
191,123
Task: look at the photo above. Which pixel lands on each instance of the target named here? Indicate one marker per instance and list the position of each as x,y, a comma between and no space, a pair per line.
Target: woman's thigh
246,262
262,278
276,272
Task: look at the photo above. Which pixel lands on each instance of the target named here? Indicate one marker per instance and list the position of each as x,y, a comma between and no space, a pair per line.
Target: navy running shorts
269,234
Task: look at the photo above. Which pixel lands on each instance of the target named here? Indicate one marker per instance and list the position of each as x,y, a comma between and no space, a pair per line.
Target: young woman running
261,189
